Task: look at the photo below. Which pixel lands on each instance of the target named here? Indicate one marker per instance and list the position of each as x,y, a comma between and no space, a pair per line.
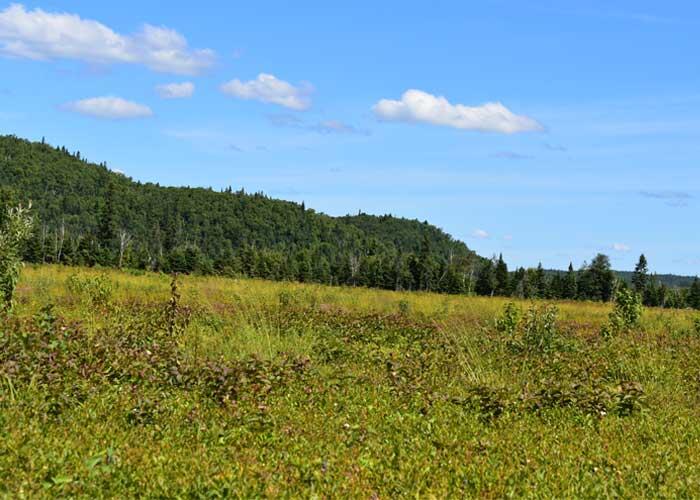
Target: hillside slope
91,215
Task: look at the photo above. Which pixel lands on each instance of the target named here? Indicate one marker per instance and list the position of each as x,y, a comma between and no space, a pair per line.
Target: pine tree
640,276
486,282
502,286
556,287
599,279
519,284
569,286
693,299
539,282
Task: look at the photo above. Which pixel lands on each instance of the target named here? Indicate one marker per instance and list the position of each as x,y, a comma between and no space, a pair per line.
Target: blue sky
548,131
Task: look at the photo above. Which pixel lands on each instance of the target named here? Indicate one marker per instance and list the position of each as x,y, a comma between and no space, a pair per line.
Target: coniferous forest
89,215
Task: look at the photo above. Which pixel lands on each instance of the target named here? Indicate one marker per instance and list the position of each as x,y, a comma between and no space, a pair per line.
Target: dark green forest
89,215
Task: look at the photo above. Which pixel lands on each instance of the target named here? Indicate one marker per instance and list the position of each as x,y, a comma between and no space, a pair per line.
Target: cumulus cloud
418,106
114,108
621,247
175,90
480,233
269,89
40,35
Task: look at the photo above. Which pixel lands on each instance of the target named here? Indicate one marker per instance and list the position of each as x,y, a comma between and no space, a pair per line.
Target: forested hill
670,280
91,215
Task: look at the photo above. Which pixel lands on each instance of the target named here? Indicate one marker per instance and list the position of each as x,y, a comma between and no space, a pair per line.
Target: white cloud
508,237
42,35
114,108
268,88
621,247
480,233
419,106
175,90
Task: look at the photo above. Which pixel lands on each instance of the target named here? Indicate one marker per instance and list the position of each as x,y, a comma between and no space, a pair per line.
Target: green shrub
540,328
535,331
507,323
626,314
14,233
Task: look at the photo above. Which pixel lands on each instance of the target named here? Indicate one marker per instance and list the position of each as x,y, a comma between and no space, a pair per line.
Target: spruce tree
540,282
519,285
569,286
486,282
502,285
640,276
599,279
693,299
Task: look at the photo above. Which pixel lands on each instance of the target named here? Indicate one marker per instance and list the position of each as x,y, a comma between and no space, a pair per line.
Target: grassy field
111,384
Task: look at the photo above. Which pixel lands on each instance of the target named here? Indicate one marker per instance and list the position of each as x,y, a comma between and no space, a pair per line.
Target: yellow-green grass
349,393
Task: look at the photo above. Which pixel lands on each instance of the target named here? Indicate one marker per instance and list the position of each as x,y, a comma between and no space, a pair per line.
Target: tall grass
281,389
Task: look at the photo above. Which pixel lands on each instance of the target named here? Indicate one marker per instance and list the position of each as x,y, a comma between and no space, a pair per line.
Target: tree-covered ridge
91,215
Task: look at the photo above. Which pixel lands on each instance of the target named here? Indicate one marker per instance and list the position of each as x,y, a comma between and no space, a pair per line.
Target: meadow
118,384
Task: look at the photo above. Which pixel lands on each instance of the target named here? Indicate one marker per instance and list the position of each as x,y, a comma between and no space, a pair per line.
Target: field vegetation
137,384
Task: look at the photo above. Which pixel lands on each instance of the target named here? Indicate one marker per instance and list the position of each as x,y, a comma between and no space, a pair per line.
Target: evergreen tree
107,230
486,281
653,293
693,298
519,284
597,280
502,278
640,276
304,266
555,287
426,265
569,285
453,282
539,282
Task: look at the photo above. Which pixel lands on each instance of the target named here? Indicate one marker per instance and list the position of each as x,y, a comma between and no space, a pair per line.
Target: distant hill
91,215
670,280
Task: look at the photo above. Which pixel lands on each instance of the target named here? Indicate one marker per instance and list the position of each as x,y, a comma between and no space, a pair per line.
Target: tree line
87,215
594,281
